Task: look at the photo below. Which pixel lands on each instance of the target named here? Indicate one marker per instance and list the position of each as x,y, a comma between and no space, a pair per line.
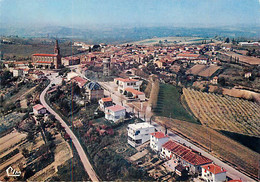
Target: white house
157,139
105,102
39,109
248,74
17,72
127,83
38,74
139,133
213,173
115,113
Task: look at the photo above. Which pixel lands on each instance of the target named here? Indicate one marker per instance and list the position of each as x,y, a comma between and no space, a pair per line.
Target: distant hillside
123,35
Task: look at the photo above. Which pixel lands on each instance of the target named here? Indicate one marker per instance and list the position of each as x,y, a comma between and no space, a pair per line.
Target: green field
169,104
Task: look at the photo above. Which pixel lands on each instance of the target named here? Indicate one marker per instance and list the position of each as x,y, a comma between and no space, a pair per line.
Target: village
110,96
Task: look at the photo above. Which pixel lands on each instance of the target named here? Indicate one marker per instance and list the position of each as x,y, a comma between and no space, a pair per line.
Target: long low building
184,155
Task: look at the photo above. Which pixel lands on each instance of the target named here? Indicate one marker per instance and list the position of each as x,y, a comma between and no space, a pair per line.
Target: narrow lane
83,157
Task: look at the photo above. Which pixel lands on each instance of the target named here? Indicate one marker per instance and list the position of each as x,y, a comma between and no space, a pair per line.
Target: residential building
115,113
94,91
214,80
213,173
81,82
157,139
127,83
38,74
105,102
136,94
71,74
248,74
39,109
17,72
139,133
184,155
71,60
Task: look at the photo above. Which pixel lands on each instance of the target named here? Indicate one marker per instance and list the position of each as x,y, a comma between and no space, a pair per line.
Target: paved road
231,172
88,168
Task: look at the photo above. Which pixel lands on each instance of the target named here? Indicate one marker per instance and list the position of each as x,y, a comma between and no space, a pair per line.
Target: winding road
83,157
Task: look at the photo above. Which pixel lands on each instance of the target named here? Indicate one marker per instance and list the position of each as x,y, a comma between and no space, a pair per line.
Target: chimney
222,169
208,167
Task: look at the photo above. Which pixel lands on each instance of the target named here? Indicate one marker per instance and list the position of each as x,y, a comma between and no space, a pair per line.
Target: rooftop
186,153
107,99
159,135
133,91
140,125
94,86
213,168
126,80
46,55
116,108
38,107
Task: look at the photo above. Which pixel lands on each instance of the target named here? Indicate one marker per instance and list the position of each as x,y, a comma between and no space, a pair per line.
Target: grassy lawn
169,104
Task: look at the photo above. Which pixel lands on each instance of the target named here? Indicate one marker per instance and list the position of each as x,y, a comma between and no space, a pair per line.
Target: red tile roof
133,91
38,107
116,108
45,55
188,55
186,153
80,81
213,168
107,99
126,80
159,135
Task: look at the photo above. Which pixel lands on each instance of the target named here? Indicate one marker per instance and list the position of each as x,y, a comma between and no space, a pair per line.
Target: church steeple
57,48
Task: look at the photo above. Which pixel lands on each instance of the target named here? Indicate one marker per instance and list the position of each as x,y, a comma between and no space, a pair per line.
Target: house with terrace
124,83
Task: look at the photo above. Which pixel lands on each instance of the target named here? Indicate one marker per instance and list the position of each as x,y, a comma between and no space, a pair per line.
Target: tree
25,152
30,65
129,94
227,40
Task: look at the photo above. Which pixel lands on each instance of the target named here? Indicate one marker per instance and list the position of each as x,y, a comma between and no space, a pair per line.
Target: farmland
224,112
203,70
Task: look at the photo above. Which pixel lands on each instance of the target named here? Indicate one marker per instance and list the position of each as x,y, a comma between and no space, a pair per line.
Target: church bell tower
57,48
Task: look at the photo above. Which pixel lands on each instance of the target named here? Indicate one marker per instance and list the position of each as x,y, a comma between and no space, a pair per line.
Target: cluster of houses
182,159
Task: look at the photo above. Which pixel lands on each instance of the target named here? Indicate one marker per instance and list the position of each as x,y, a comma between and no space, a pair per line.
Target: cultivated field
221,146
246,59
224,112
170,40
203,70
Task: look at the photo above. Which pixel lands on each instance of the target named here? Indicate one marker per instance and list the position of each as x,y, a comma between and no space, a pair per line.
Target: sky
124,13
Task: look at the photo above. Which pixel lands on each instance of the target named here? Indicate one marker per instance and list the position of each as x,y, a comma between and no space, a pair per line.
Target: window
138,141
137,132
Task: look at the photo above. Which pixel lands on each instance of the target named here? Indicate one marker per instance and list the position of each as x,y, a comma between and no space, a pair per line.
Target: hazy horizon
128,14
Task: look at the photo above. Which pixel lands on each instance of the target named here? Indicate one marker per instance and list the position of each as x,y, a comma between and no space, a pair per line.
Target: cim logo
12,172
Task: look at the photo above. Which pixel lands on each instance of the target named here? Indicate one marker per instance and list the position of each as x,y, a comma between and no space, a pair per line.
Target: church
48,60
